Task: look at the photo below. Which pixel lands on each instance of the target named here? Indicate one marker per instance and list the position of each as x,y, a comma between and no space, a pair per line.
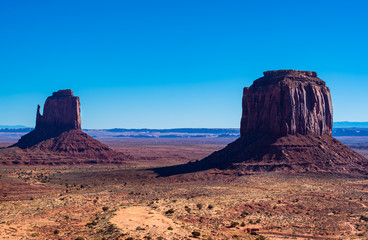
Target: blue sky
166,64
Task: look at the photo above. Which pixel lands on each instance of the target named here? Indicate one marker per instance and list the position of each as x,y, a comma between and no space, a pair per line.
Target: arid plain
131,201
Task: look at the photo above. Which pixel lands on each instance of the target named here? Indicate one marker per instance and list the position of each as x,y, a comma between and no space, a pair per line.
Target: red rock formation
286,126
287,102
58,133
61,112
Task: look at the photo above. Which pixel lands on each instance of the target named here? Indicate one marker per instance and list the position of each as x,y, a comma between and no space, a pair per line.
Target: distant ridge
13,126
343,124
350,124
352,129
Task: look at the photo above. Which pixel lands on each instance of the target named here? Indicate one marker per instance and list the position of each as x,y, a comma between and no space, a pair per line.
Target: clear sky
166,64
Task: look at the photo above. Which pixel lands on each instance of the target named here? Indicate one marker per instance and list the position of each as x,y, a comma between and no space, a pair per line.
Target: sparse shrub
260,237
242,224
233,224
91,224
56,232
79,238
170,228
210,207
66,217
199,206
170,211
188,209
258,220
244,214
139,228
129,238
105,209
147,237
279,201
196,234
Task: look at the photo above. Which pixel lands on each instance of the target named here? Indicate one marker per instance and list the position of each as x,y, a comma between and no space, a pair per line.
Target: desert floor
132,202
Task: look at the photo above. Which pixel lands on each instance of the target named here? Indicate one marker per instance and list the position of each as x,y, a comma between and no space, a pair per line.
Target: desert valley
285,174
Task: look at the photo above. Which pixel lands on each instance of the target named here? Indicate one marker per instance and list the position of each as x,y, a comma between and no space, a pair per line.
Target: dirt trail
147,222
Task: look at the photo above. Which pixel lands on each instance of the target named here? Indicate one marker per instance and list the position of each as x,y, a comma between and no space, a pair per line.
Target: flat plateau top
288,75
63,93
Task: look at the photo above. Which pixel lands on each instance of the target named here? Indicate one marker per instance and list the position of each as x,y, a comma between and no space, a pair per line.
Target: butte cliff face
285,126
287,102
58,138
61,112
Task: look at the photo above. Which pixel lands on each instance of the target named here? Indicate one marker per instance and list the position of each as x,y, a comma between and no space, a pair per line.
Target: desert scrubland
131,201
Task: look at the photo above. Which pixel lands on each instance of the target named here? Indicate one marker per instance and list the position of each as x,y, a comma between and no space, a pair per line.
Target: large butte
286,125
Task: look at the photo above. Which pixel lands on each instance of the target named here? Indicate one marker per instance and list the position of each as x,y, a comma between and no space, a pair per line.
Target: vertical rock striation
61,112
287,102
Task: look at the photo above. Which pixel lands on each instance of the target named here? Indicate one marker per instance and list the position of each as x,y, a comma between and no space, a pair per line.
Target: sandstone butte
58,137
286,125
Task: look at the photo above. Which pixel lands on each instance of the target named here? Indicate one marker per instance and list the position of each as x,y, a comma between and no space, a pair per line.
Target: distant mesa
58,132
286,125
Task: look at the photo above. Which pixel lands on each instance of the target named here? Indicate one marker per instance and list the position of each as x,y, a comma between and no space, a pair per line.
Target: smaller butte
58,137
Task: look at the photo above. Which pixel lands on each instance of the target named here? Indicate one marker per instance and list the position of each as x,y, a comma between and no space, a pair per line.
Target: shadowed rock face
61,112
287,102
286,126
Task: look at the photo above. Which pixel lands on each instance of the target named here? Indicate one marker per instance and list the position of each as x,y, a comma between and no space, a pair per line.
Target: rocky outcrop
286,126
58,136
61,112
287,102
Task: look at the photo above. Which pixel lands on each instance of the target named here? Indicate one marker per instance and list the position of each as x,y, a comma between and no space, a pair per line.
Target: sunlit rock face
287,102
61,112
